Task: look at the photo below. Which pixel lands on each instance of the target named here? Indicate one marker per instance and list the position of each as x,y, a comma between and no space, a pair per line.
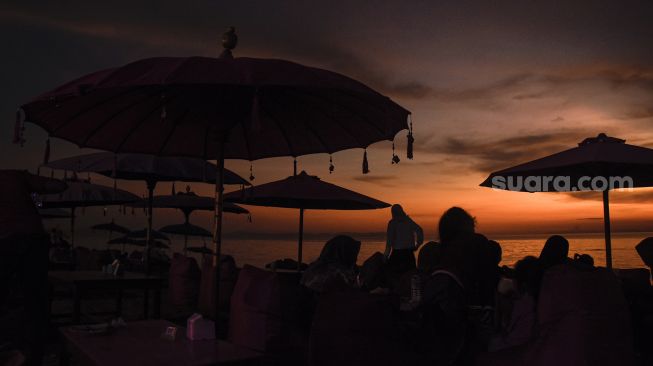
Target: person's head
430,257
645,251
342,250
398,212
555,251
494,252
528,275
455,222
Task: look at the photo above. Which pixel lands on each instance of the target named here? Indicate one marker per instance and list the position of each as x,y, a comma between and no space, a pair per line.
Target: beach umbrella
186,229
124,240
111,227
146,167
304,192
217,108
592,165
188,202
83,194
143,234
54,213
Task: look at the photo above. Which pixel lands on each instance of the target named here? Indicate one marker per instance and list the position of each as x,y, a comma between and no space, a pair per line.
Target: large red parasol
242,108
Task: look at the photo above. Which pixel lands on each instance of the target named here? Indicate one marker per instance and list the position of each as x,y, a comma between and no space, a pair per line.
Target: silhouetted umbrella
142,234
186,229
83,194
124,240
304,192
202,250
597,159
111,227
148,168
188,202
54,213
217,108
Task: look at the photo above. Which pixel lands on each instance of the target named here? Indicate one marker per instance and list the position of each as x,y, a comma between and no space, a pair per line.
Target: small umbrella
111,227
186,229
142,234
83,194
54,213
148,168
600,157
124,240
304,192
188,202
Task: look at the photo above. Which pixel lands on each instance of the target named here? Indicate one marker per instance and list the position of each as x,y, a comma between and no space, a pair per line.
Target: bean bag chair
268,314
228,276
354,328
184,281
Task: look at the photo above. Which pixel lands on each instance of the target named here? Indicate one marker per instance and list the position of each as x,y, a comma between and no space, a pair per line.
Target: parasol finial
229,42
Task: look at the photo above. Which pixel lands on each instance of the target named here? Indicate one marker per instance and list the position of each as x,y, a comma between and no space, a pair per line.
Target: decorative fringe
173,189
19,128
294,166
46,154
251,173
395,157
104,211
366,167
411,140
331,167
249,218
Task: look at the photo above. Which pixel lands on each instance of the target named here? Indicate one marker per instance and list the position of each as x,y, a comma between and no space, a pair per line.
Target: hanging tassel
395,158
242,191
173,189
249,218
411,140
19,128
46,154
104,211
294,166
366,167
251,173
331,167
52,173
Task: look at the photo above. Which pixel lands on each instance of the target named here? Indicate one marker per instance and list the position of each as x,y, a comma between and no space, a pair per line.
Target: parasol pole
217,225
148,239
301,239
72,228
186,220
606,229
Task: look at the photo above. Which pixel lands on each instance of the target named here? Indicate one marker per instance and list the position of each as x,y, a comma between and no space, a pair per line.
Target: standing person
24,254
403,237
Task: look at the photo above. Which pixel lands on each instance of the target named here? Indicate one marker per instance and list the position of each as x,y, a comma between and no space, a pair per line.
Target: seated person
521,326
555,251
335,268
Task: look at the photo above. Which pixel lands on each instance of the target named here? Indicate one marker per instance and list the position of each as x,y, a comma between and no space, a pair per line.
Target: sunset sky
489,85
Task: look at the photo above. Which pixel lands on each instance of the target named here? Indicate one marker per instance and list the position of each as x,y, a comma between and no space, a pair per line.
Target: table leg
77,305
146,303
157,303
119,303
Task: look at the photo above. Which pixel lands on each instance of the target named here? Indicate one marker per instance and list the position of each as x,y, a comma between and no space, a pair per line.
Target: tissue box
198,328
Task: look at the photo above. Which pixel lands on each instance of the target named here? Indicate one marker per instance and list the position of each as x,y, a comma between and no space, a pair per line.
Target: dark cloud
490,155
380,180
616,197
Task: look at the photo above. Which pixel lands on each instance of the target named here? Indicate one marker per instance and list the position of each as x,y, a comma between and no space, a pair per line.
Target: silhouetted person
555,251
429,258
645,251
455,222
521,327
489,272
335,268
24,246
403,237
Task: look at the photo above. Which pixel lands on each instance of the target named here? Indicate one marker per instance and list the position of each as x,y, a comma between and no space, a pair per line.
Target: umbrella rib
340,124
89,108
283,132
174,128
317,136
352,111
140,123
247,145
105,122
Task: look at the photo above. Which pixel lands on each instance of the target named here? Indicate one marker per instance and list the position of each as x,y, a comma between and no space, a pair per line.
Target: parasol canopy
597,159
304,192
142,234
186,229
111,227
83,194
54,213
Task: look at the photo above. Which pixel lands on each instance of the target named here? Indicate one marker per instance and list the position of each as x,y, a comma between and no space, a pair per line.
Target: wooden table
83,281
140,344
